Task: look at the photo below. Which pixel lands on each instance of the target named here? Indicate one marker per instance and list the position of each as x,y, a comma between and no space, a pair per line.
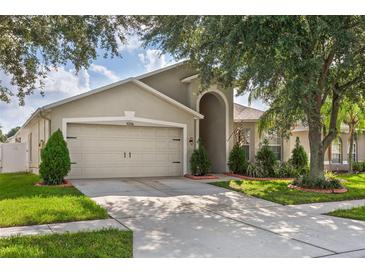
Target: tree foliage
293,63
2,136
55,164
12,132
31,45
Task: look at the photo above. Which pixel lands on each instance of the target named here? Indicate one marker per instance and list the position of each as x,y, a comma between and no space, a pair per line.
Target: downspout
47,119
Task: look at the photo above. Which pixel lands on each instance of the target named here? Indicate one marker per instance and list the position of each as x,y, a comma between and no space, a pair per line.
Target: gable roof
135,80
246,114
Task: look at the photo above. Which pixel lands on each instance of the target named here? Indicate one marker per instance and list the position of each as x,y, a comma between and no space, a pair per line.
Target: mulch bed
205,177
326,191
256,179
66,183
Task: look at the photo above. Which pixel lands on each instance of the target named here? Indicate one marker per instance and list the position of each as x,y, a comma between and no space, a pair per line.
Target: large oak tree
294,63
31,45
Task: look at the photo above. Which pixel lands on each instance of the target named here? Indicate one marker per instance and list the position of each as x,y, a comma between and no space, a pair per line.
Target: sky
63,82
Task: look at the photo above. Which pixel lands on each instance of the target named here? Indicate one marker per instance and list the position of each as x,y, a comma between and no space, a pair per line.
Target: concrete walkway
179,217
61,228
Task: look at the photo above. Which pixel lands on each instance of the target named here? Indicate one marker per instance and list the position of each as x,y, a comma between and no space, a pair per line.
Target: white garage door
105,151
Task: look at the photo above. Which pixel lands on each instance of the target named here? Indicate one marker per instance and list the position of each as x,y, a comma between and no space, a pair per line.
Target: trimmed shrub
237,162
299,158
254,171
285,170
329,181
56,162
199,161
358,166
266,160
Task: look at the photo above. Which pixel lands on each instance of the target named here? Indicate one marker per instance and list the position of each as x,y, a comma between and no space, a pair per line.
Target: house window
244,140
354,151
275,145
336,155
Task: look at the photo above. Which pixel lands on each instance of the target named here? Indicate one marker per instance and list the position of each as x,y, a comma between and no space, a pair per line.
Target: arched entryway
214,127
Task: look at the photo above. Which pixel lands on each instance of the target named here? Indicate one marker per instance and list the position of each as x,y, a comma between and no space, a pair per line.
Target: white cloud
104,71
132,42
67,82
59,84
152,59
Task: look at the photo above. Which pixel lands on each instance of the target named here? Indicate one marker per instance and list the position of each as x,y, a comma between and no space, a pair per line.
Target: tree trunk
316,151
351,149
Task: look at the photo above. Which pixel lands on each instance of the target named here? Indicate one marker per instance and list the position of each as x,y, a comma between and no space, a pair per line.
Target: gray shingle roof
243,113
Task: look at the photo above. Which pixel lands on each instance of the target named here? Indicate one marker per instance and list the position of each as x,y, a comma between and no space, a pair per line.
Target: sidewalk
326,207
61,228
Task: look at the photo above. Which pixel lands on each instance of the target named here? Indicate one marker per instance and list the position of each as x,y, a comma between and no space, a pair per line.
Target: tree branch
325,69
332,130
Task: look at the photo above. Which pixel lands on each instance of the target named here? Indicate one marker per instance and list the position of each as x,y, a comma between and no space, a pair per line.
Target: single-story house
336,157
149,126
138,127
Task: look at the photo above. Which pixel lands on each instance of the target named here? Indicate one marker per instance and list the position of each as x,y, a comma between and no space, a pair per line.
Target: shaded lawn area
357,213
22,203
277,191
111,243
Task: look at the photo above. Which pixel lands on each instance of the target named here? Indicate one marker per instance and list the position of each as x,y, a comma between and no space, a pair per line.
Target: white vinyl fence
12,157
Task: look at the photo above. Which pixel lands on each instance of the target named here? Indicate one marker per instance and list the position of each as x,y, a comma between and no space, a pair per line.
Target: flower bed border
317,190
205,177
255,178
66,183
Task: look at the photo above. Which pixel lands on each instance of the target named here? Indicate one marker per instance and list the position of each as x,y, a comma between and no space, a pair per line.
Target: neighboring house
142,126
336,157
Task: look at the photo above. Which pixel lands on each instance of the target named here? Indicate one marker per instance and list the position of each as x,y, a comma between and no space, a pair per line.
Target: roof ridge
248,107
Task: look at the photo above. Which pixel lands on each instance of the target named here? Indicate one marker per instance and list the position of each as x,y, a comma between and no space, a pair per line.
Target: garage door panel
98,151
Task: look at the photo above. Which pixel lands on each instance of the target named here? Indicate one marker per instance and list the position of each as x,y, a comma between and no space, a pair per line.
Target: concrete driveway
178,217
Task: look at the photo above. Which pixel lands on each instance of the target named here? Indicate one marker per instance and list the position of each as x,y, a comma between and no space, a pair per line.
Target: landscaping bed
278,191
112,243
66,183
202,177
318,190
256,179
23,203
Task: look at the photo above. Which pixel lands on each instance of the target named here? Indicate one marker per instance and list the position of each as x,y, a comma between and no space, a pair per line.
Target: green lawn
22,203
277,191
95,244
357,213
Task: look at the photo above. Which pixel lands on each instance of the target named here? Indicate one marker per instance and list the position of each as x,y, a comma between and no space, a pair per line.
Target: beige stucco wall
289,144
39,130
130,97
361,147
169,82
254,138
127,97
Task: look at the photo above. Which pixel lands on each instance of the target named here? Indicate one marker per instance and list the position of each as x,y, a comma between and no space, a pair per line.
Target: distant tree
2,136
12,132
31,45
352,114
293,63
